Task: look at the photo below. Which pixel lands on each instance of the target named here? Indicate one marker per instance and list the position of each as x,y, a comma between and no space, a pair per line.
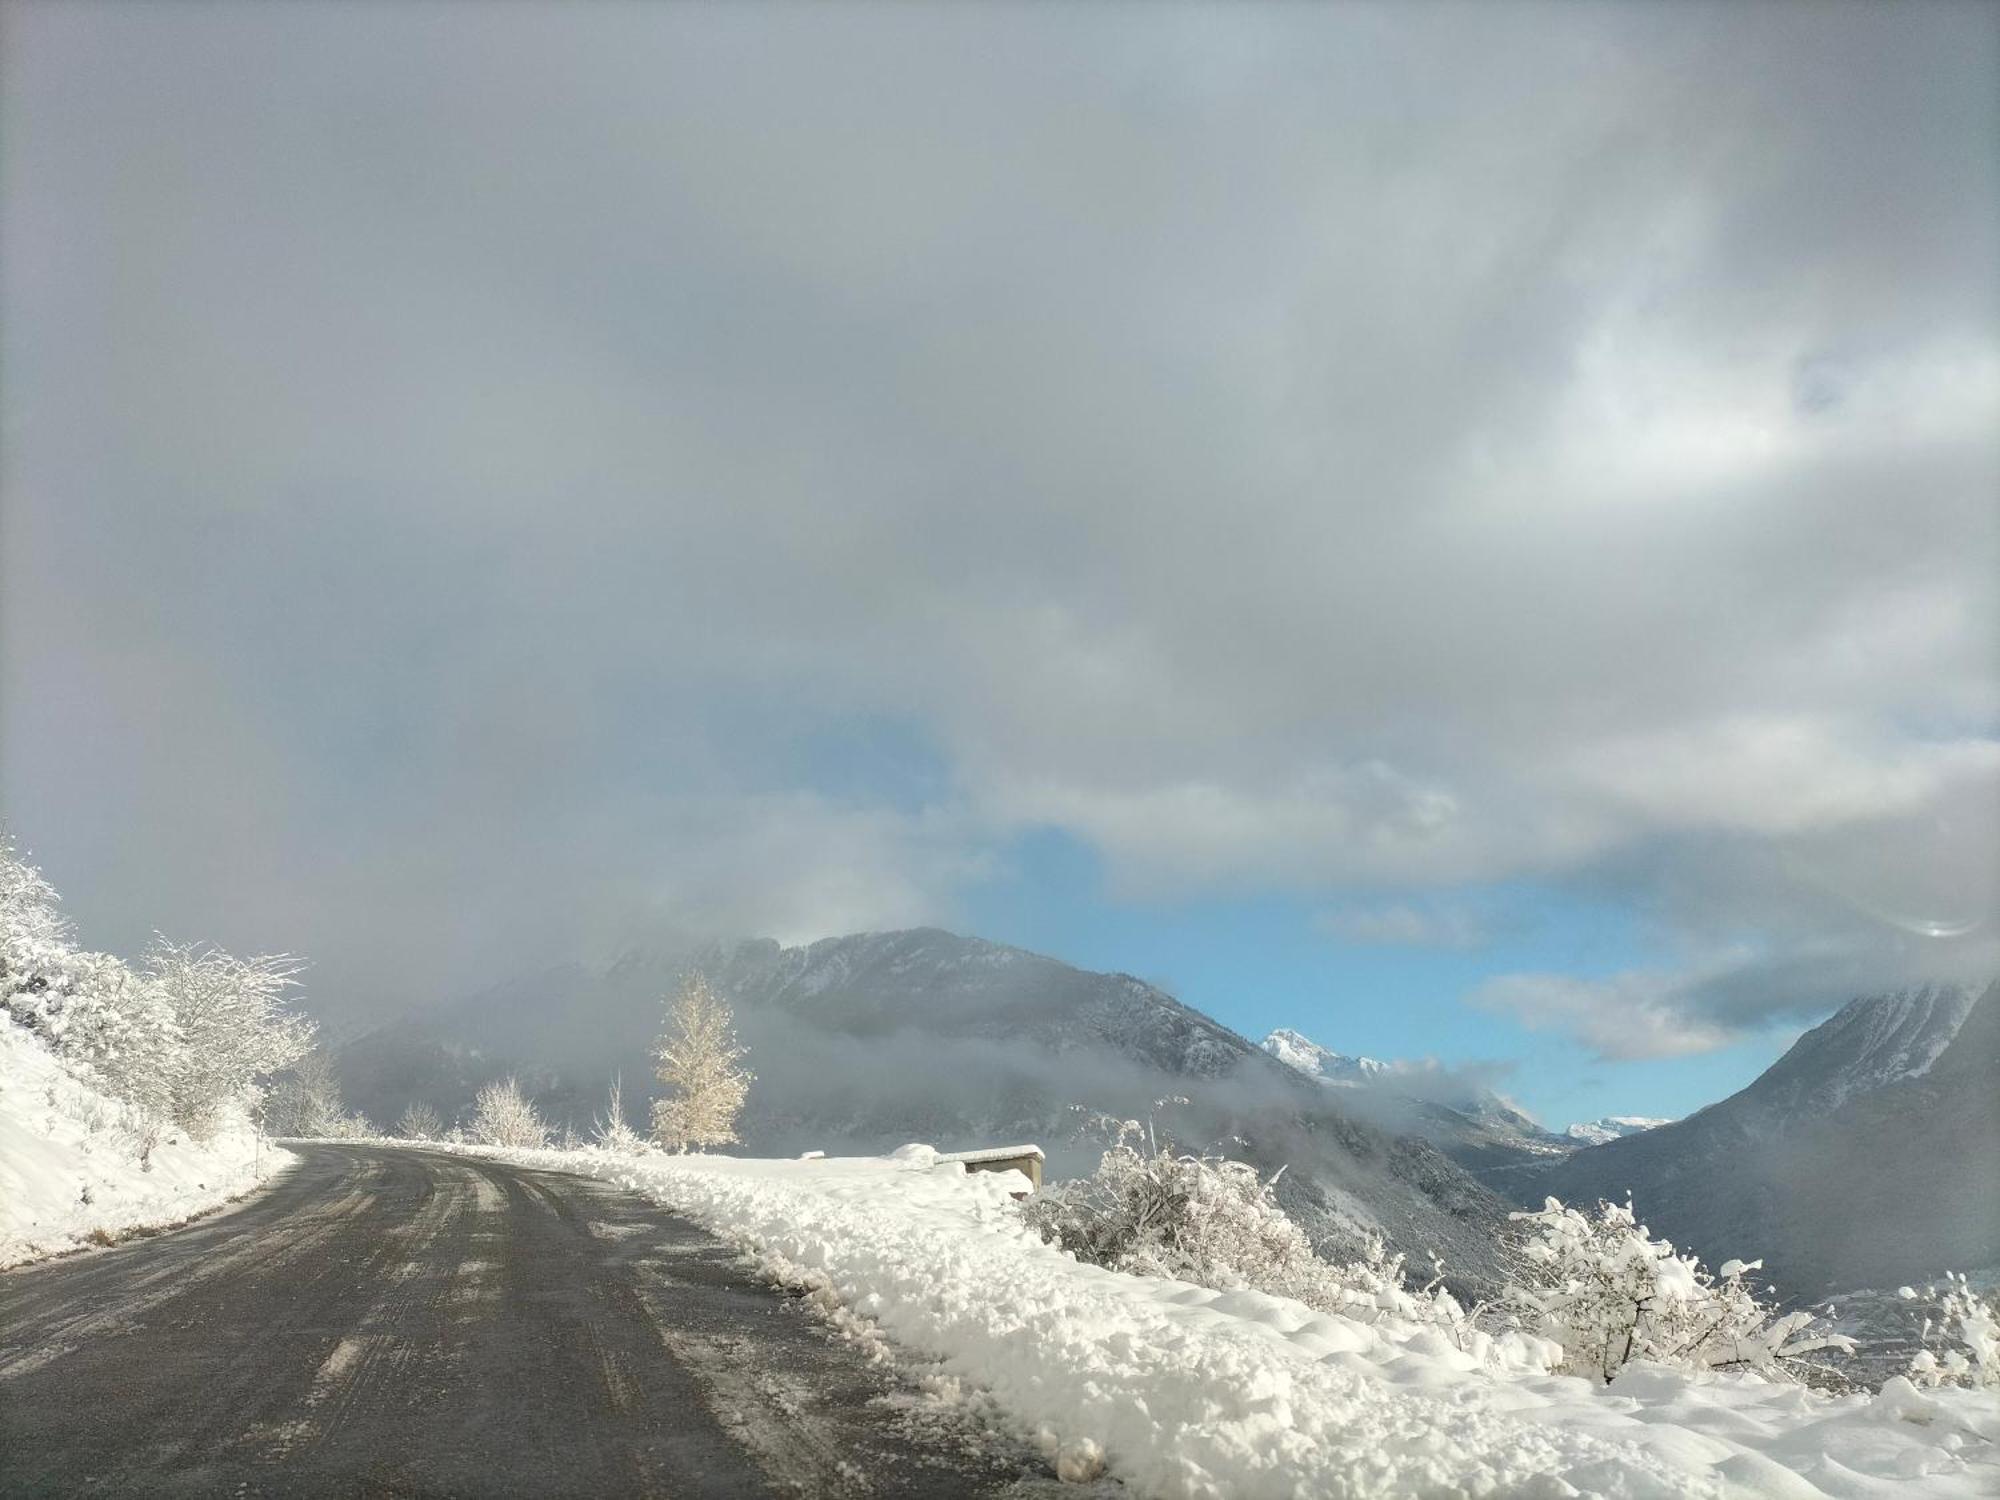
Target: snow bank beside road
1184,1391
70,1173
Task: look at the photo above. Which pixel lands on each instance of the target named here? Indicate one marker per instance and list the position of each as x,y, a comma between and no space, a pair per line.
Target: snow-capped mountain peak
1309,1057
1611,1128
1868,1043
1454,1111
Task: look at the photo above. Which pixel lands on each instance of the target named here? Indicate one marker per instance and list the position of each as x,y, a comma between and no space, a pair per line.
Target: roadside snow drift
1183,1391
71,1172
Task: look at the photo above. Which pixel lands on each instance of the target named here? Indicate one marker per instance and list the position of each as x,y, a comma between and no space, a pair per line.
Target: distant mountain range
1863,1157
1868,1155
863,1043
1611,1128
1472,1125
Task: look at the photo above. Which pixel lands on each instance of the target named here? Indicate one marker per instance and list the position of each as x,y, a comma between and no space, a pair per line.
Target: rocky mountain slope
1863,1157
862,1043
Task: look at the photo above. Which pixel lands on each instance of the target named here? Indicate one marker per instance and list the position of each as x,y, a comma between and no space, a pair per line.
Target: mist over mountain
1863,1157
863,1043
1455,1112
1844,1164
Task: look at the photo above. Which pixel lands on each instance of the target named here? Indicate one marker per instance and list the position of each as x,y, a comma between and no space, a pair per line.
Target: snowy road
403,1322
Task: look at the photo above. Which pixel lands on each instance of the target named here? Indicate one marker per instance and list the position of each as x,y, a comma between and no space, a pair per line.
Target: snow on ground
1183,1391
70,1173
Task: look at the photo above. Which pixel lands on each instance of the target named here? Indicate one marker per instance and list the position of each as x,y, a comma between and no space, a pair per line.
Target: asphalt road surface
403,1322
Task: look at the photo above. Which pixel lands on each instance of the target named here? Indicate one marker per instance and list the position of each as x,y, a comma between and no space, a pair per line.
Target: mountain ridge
1843,1164
866,1041
1472,1125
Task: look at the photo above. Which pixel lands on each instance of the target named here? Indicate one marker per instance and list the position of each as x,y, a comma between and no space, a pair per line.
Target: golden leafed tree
697,1058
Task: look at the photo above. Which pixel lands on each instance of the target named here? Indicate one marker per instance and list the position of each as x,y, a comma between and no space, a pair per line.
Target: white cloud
1571,456
1399,925
798,867
1714,997
1772,776
1627,1016
1332,823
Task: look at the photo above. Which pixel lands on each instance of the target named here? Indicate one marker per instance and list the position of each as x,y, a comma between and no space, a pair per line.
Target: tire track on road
399,1321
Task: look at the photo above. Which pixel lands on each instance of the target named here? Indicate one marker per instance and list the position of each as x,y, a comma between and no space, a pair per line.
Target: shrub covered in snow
1608,1293
233,1027
98,1014
88,1007
612,1131
1155,1211
1961,1337
184,1038
306,1100
127,1095
420,1122
504,1116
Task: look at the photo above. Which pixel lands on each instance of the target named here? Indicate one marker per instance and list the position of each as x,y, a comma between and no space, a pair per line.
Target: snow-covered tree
1600,1286
1961,1337
420,1122
28,903
697,1057
188,1034
89,1007
306,1101
233,1027
505,1116
1152,1210
350,1125
612,1131
35,937
117,1026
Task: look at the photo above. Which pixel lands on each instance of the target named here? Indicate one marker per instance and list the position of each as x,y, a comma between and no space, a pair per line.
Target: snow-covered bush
504,1116
612,1131
420,1122
120,1028
1961,1337
306,1100
89,1007
1154,1211
34,935
233,1027
1600,1286
184,1038
697,1058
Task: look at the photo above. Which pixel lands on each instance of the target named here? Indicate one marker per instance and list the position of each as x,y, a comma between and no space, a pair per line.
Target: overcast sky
1467,531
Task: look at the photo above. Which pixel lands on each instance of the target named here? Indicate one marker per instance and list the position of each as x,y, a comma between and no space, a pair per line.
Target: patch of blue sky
867,760
1263,961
